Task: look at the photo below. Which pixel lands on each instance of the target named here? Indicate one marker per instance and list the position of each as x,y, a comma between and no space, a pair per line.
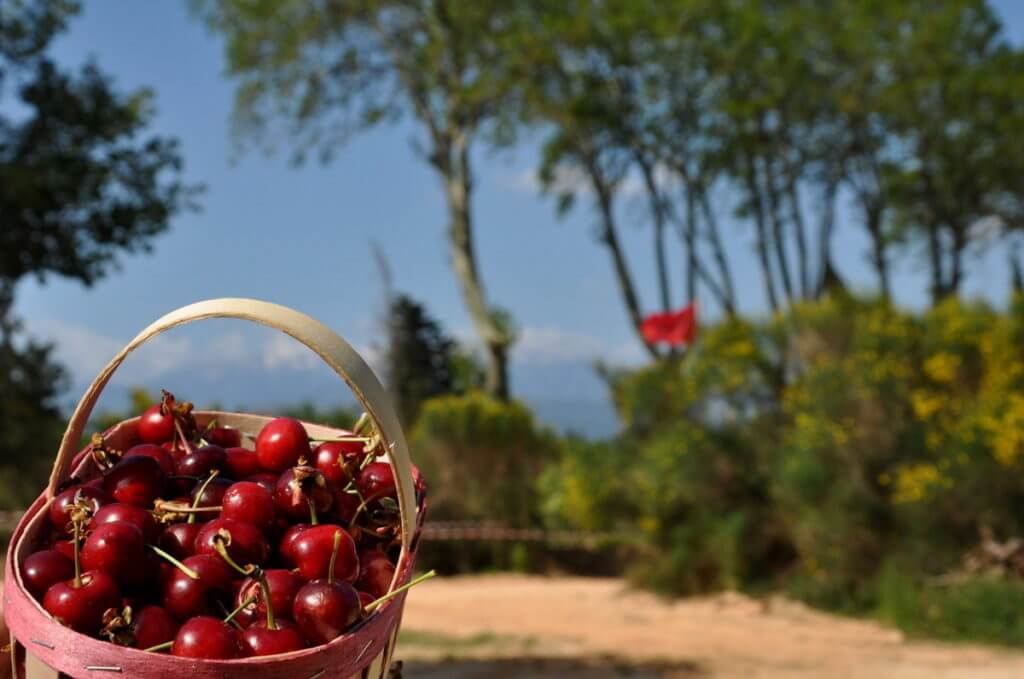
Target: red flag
674,328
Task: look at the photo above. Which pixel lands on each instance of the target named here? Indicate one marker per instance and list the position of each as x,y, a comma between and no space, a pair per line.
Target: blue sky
301,237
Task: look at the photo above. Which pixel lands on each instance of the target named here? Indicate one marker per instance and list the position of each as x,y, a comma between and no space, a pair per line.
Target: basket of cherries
220,544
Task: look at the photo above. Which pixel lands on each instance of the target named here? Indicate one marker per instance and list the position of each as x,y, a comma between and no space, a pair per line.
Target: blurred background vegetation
860,456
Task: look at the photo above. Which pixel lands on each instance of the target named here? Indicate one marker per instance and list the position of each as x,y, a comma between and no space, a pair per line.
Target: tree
79,184
326,70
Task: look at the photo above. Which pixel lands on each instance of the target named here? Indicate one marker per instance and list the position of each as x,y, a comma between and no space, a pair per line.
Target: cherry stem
166,646
338,439
313,519
245,604
265,588
77,528
188,509
199,495
334,556
223,551
184,441
374,605
182,567
224,610
363,420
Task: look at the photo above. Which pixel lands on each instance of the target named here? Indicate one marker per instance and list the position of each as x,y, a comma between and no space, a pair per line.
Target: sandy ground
508,626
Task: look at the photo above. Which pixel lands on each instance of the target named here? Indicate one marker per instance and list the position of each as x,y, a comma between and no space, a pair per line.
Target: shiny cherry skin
312,549
225,437
118,549
251,502
345,505
158,453
248,546
324,610
202,461
281,443
45,568
153,625
179,539
339,460
81,608
65,547
135,481
365,598
266,479
241,462
207,638
261,640
185,597
297,488
213,494
154,426
283,585
286,546
375,572
58,512
376,480
122,513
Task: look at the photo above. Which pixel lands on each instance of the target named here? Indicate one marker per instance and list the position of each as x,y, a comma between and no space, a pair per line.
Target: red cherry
247,544
135,481
176,450
152,626
375,572
311,552
324,610
225,437
201,462
286,547
136,516
248,501
266,479
365,598
241,462
118,549
45,568
261,640
300,487
81,607
281,443
65,547
339,460
185,596
213,494
208,638
179,539
345,505
155,426
61,504
162,457
375,481
283,586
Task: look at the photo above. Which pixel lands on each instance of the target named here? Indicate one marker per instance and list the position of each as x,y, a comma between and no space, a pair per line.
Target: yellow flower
942,367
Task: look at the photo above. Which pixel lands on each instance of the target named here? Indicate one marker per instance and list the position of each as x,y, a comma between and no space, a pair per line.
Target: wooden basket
44,649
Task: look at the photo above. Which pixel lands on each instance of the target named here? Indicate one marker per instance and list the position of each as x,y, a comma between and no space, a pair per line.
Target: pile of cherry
192,543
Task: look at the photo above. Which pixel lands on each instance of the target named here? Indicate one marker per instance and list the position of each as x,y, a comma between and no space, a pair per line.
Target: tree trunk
935,261
793,193
778,231
827,273
691,247
873,222
718,252
1016,272
458,188
762,236
658,215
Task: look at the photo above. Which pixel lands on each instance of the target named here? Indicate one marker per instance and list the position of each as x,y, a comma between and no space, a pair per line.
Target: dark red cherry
158,453
375,572
208,638
135,481
375,481
122,513
213,494
311,553
176,449
281,443
300,487
365,598
58,512
251,502
225,437
152,626
246,544
155,426
345,505
283,587
261,640
81,607
65,547
202,461
118,549
179,539
45,568
324,610
266,479
286,546
241,463
184,596
339,460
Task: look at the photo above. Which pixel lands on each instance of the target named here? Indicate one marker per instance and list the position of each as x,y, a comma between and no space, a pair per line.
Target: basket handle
335,351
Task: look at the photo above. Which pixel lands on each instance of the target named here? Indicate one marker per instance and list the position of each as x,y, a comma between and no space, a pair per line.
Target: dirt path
553,622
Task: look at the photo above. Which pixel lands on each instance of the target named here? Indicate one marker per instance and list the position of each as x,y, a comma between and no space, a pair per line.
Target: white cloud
549,345
283,351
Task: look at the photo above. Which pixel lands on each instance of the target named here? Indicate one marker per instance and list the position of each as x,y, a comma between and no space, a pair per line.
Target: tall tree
328,69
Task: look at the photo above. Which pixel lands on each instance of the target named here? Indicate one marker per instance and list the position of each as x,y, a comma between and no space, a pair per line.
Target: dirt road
520,626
